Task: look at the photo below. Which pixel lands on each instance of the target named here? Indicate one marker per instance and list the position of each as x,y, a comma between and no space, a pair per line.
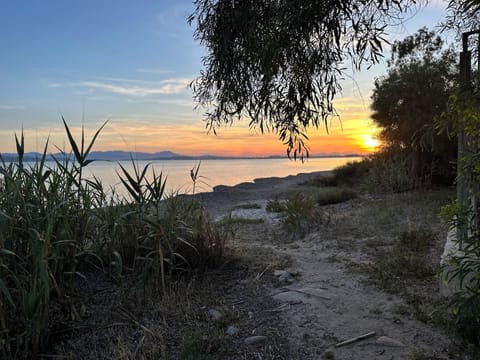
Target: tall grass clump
55,223
300,214
392,173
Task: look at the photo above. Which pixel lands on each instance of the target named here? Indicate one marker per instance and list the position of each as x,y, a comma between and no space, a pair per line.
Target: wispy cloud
164,87
131,87
154,71
11,107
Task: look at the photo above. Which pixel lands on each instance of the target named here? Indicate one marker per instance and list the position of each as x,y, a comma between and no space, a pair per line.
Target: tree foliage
279,62
462,16
405,103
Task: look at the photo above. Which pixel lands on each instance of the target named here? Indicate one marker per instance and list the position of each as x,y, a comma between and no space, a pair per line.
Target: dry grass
123,320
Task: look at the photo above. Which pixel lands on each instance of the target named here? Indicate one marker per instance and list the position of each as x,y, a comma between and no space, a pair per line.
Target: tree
278,62
406,102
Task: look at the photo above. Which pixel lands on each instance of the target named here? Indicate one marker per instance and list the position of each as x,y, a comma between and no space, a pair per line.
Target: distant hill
116,155
119,155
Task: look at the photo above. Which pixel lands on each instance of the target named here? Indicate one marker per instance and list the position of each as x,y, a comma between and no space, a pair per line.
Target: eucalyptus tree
278,63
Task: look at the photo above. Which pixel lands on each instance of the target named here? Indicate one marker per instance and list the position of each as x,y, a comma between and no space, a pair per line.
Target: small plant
300,214
334,196
275,206
406,260
416,240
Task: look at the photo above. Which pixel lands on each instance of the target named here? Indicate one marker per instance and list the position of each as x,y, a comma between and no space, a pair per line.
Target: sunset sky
129,62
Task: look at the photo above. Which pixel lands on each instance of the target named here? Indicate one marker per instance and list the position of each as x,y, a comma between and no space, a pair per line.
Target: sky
130,62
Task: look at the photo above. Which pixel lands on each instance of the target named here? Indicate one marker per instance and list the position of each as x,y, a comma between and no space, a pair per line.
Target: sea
211,173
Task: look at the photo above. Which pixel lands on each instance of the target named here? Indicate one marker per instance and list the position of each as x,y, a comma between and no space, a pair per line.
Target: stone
255,340
232,331
315,292
291,297
387,341
284,276
215,315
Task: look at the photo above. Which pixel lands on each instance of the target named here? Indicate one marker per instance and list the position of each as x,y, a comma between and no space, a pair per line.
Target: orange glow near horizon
354,134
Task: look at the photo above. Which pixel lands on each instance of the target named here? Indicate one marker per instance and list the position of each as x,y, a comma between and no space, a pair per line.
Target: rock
215,315
304,295
255,340
284,276
386,341
291,297
319,293
232,331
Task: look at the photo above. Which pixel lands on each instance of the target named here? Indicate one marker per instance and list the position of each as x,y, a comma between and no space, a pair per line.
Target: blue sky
130,62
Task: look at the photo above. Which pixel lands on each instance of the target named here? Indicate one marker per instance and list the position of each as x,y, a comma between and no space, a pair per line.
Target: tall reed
54,221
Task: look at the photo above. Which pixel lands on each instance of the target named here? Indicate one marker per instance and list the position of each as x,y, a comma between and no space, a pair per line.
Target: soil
328,302
328,299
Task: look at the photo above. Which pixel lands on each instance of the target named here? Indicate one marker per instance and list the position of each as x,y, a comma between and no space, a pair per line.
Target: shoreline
224,197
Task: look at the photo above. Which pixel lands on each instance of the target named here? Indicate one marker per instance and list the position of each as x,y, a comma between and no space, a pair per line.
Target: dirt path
328,302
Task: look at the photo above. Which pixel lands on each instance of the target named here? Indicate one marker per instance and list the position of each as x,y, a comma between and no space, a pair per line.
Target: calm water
215,172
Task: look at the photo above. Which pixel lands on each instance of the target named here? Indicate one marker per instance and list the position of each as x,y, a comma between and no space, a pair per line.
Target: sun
370,142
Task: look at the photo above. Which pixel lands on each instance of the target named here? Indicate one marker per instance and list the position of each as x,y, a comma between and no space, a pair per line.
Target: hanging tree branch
279,62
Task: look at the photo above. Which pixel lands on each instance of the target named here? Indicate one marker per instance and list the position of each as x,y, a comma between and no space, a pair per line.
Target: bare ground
331,299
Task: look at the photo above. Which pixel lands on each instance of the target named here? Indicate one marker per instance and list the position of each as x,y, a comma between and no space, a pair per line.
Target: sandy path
327,304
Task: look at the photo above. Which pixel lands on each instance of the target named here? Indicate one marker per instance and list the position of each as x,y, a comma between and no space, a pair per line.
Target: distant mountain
119,155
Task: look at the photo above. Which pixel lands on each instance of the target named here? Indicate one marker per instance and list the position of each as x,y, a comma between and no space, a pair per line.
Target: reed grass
54,222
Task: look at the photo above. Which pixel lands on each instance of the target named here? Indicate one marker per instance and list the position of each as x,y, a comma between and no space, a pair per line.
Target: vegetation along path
364,272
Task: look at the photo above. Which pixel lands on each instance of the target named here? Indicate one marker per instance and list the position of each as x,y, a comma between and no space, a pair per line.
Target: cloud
154,71
11,107
164,87
129,87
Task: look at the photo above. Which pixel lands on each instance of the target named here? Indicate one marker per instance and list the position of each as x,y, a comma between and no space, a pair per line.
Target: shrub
275,206
334,196
351,173
300,214
391,173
